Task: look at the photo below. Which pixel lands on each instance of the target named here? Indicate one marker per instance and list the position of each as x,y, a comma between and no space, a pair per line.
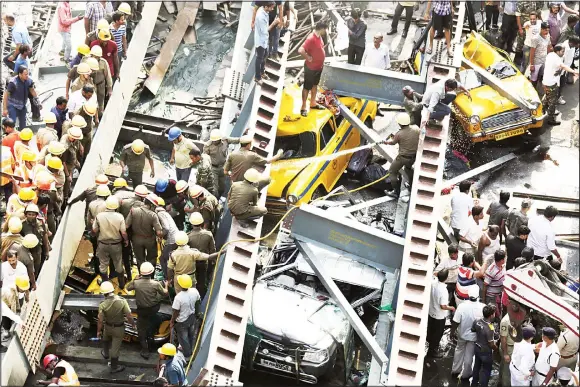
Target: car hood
300,318
282,173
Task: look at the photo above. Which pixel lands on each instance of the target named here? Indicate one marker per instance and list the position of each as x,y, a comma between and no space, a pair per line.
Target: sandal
304,113
318,107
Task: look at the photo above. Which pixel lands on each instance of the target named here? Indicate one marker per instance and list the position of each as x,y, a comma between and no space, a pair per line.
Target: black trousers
491,15
509,31
397,15
435,329
201,277
145,317
355,54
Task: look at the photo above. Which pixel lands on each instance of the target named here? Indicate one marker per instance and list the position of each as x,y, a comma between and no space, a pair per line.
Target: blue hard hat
173,133
161,185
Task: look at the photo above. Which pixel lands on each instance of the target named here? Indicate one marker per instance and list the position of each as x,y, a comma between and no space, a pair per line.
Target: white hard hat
146,268
252,175
403,119
215,135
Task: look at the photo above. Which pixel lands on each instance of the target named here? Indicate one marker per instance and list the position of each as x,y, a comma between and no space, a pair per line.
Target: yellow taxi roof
290,122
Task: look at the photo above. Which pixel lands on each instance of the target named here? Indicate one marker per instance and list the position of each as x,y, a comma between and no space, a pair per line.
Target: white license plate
275,365
509,133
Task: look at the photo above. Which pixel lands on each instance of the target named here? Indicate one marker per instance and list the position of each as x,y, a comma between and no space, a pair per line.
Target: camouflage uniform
550,101
38,228
218,152
205,176
523,9
208,207
70,158
413,107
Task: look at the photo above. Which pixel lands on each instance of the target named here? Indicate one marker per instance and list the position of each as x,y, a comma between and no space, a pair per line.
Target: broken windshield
297,146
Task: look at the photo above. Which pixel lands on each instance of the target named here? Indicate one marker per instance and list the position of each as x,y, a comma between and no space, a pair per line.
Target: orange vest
26,174
6,165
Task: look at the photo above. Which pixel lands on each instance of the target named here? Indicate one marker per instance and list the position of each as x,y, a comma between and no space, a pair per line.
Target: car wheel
460,141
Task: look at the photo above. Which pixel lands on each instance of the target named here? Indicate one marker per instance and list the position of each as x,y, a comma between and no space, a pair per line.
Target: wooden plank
548,198
185,18
93,355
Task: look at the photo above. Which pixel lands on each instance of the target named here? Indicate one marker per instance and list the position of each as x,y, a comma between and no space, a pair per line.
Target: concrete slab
93,355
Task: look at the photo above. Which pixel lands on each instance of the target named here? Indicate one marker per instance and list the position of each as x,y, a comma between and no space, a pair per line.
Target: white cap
564,373
473,291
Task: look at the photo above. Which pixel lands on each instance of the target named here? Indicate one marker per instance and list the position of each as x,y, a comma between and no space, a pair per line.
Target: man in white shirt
12,268
548,358
438,310
542,236
184,316
470,235
465,315
570,47
437,98
523,358
79,98
552,70
452,265
377,56
461,205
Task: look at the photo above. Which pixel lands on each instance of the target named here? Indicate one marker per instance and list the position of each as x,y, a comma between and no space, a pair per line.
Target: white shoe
561,101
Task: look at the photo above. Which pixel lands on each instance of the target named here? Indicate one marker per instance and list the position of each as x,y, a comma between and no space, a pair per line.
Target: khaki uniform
127,200
144,223
70,158
113,310
203,241
39,229
408,139
219,154
183,261
568,345
109,225
91,37
53,210
87,130
95,208
135,163
504,368
7,240
523,9
208,207
148,295
103,81
79,83
240,161
45,135
413,107
242,201
205,176
25,256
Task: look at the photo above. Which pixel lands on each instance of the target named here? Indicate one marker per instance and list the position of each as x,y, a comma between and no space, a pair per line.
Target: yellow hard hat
93,63
120,182
184,281
28,155
103,190
112,202
90,107
101,179
56,148
146,268
55,163
97,51
83,69
84,49
75,132
30,241
160,201
26,194
181,238
215,135
26,134
195,190
14,225
107,287
141,191
22,281
167,349
125,8
50,118
138,146
196,219
103,24
246,139
252,175
181,186
104,35
79,121
32,208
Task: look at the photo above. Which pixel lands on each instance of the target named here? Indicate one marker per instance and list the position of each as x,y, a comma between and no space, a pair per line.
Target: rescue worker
84,77
46,186
412,104
568,345
217,149
89,113
169,231
11,307
148,296
102,24
109,52
98,205
133,156
80,122
240,161
37,226
54,148
165,188
83,50
7,165
408,139
202,201
24,253
61,372
201,240
47,134
112,313
145,228
204,174
71,141
243,197
25,170
177,209
18,202
183,261
548,358
173,366
103,78
180,153
126,200
24,143
10,237
184,314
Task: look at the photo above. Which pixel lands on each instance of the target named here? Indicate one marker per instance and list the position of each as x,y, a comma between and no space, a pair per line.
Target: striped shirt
494,277
95,11
118,35
465,279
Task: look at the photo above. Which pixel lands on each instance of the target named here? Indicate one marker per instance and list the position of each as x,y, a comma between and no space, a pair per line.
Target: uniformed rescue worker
10,237
180,153
412,104
60,371
240,161
408,139
103,78
102,24
83,77
204,174
112,313
217,149
126,200
47,134
165,189
23,143
18,202
71,141
169,231
37,226
201,240
148,296
24,254
98,205
89,113
78,121
133,156
145,228
202,201
46,186
177,208
243,197
183,261
54,148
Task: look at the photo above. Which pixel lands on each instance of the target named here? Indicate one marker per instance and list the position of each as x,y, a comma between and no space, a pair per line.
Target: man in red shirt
11,135
313,52
109,52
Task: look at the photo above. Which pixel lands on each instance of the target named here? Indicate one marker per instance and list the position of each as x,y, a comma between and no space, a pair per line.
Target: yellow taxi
304,173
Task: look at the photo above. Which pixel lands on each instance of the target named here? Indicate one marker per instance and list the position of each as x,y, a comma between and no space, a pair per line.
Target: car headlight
474,120
292,199
316,357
